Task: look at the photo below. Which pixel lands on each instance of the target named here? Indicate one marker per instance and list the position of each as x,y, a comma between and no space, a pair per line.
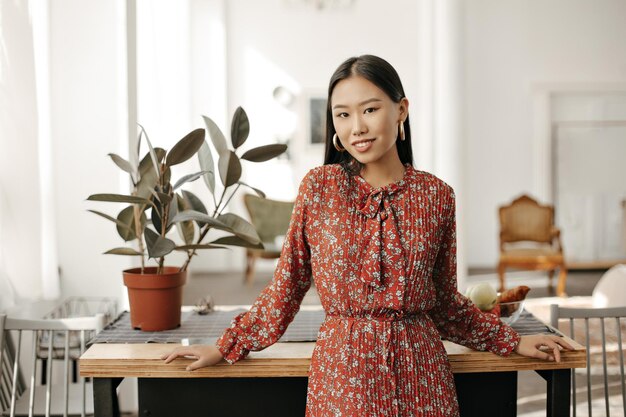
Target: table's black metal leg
500,388
105,397
558,391
223,397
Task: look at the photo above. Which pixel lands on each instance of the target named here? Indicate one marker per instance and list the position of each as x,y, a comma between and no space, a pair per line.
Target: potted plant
156,207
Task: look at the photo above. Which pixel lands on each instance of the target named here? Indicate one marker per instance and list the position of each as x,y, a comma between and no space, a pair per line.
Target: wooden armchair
529,240
271,220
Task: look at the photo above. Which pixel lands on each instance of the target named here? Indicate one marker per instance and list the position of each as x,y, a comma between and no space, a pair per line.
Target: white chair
74,307
19,394
610,291
601,329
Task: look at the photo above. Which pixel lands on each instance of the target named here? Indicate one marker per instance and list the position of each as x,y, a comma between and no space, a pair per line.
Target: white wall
511,48
88,122
274,43
20,253
300,47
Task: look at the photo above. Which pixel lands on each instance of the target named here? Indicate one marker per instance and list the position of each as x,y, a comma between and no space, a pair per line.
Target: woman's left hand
530,346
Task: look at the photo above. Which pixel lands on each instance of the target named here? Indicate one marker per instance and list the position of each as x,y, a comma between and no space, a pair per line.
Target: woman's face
366,120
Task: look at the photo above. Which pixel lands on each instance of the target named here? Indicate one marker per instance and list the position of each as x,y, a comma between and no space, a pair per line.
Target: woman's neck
379,175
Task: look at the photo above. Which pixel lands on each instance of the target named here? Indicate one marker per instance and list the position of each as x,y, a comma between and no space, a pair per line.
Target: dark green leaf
236,241
167,176
146,163
164,198
194,202
156,215
264,153
240,128
146,184
186,229
114,220
158,245
188,178
256,190
240,227
230,168
185,148
191,247
122,163
206,163
118,198
217,137
127,218
200,217
123,251
171,213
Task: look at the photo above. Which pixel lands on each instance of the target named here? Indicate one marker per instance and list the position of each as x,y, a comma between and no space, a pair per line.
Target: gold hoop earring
402,137
336,143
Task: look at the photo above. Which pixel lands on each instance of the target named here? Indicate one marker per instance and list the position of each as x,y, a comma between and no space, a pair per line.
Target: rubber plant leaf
119,223
119,198
207,165
185,148
188,178
158,245
264,153
236,241
127,217
194,202
122,163
217,137
186,230
240,227
240,128
123,251
200,217
204,246
153,154
230,168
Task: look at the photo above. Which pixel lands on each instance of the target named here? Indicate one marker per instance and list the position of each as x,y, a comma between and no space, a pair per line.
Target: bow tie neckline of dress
383,253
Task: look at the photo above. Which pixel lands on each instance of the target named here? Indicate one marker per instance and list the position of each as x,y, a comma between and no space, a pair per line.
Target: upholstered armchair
271,220
529,240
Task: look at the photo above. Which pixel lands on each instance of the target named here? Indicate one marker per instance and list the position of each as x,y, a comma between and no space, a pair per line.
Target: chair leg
560,290
551,279
501,277
251,260
44,367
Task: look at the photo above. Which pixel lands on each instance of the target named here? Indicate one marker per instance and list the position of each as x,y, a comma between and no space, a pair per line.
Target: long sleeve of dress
455,316
279,302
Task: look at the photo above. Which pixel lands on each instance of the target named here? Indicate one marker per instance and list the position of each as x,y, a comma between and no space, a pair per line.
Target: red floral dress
384,263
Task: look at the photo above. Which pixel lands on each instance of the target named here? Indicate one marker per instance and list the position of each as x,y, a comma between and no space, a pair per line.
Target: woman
378,238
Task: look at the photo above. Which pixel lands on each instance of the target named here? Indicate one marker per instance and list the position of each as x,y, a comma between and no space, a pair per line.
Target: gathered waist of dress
391,316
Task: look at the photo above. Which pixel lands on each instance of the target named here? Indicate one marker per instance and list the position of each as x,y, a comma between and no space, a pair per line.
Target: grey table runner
196,328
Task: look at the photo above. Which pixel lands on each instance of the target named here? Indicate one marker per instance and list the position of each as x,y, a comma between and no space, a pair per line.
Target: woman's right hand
205,355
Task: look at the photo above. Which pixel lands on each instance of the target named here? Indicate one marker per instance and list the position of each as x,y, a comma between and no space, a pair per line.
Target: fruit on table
509,300
483,296
514,294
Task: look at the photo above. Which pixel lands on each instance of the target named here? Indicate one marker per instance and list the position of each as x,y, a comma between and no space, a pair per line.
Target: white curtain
27,237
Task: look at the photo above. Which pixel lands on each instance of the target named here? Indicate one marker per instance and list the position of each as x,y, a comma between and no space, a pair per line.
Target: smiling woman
378,238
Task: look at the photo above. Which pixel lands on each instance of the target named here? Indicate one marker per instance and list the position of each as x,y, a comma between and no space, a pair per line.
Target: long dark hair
384,76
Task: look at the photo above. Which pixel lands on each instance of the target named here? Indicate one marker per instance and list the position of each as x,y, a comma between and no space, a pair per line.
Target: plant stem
203,233
137,216
231,196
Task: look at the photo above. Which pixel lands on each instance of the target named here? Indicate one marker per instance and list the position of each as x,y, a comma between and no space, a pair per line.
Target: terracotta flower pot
155,299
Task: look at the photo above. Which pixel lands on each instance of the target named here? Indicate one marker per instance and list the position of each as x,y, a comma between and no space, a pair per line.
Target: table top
109,360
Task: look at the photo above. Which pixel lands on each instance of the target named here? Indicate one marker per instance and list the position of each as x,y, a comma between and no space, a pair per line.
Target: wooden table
273,382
